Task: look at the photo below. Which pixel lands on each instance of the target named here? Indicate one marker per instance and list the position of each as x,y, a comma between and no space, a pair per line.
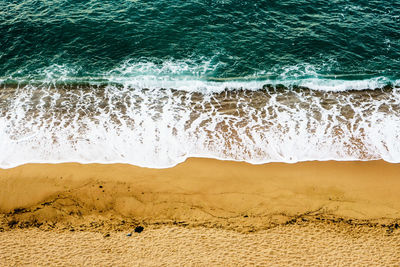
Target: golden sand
306,245
201,212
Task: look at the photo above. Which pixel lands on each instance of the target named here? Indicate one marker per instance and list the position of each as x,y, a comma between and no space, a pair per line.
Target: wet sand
201,212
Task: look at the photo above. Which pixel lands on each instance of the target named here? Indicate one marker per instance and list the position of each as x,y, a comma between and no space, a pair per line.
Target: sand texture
201,212
315,244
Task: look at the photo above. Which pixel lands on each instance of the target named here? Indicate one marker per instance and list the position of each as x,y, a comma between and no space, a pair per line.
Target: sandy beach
209,211
199,133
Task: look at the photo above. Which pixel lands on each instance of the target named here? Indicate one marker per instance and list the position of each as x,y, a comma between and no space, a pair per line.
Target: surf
159,128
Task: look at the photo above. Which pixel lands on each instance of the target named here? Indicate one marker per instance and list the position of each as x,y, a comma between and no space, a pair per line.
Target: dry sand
313,244
201,212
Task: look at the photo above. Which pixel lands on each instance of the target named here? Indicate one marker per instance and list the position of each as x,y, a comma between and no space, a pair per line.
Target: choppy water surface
151,83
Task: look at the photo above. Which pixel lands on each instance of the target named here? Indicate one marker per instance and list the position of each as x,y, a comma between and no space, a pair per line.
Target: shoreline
201,192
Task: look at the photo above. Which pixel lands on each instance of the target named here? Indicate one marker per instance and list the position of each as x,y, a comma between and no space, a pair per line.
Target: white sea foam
204,86
198,76
157,115
160,128
194,76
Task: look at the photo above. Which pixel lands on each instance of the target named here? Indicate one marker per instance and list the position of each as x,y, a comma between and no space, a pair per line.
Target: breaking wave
156,116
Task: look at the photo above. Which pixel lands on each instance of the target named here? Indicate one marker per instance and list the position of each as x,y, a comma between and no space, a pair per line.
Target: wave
200,76
159,128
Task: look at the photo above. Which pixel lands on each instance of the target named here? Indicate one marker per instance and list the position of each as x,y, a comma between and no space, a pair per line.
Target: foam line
161,128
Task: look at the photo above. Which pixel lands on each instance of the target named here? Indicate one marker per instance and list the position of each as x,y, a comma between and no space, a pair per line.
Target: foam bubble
160,128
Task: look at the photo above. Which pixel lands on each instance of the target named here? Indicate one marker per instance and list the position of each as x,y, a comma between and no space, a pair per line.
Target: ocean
151,83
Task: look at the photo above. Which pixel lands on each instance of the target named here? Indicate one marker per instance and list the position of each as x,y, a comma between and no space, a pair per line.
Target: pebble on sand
139,229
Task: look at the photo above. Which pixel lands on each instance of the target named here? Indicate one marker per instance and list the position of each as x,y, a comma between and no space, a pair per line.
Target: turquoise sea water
153,82
211,39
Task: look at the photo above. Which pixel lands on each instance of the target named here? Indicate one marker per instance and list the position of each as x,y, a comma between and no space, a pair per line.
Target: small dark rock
246,216
107,235
396,225
100,186
130,234
139,229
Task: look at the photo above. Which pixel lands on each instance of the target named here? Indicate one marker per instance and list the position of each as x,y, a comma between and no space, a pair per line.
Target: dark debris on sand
139,229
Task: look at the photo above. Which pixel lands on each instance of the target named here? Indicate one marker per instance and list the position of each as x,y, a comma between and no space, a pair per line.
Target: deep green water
208,39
